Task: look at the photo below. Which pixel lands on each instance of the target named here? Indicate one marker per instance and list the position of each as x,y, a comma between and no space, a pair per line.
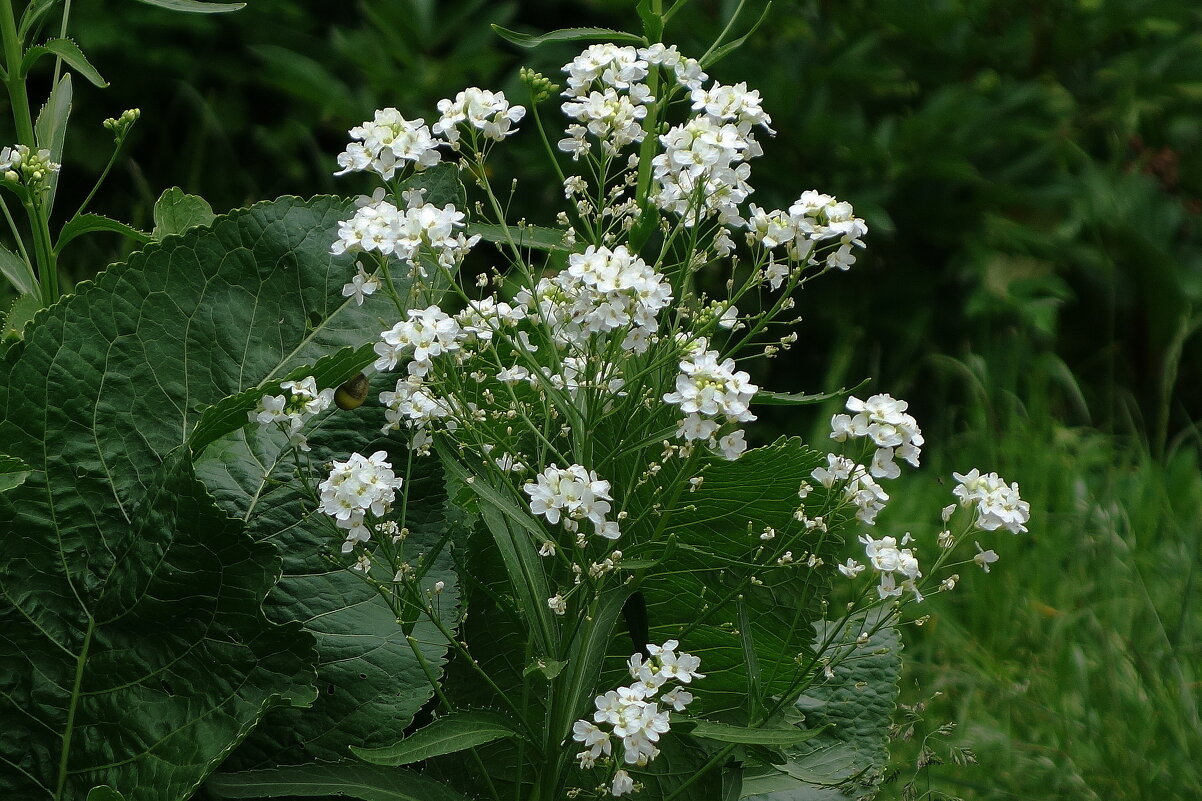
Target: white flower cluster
428,332
387,142
412,404
293,410
19,163
813,219
633,713
356,487
606,97
572,494
883,420
891,561
998,504
711,392
382,227
602,290
479,109
703,170
687,71
860,488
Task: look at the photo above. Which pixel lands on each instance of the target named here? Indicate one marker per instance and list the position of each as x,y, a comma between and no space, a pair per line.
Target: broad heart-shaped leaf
176,211
104,385
694,595
856,706
142,668
366,782
371,683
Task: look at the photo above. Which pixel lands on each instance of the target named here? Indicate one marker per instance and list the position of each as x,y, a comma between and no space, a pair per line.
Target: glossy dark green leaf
107,537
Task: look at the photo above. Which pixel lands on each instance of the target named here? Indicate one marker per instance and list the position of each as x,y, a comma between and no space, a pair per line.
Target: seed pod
352,393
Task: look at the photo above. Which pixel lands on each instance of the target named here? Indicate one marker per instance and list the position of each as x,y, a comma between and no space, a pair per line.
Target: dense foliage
1031,176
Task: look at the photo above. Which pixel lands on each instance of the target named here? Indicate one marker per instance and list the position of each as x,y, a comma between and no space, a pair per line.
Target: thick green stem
18,97
14,80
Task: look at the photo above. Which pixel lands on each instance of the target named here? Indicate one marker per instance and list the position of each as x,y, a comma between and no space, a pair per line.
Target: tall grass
1073,666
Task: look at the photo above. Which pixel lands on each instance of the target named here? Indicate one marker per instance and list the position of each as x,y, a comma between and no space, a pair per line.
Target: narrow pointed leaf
17,271
194,6
530,237
50,129
567,35
447,735
726,733
82,224
366,782
763,398
69,52
719,53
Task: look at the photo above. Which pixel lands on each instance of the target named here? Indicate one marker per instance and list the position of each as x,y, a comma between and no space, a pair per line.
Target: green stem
62,34
80,662
104,174
47,262
449,707
14,81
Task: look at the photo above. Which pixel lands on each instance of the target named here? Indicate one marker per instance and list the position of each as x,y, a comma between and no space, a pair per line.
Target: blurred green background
1032,176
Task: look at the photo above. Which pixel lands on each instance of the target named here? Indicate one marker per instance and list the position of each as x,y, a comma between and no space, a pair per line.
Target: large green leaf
855,706
694,595
103,387
367,782
142,667
371,682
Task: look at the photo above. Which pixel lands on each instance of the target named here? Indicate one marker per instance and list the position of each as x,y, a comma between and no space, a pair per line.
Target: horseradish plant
585,399
401,498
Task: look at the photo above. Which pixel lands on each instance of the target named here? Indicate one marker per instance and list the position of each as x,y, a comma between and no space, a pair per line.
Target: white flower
732,445
622,784
355,488
851,568
427,333
678,698
387,142
998,504
881,419
601,291
984,558
558,604
360,286
708,389
293,410
488,112
419,228
890,561
572,494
